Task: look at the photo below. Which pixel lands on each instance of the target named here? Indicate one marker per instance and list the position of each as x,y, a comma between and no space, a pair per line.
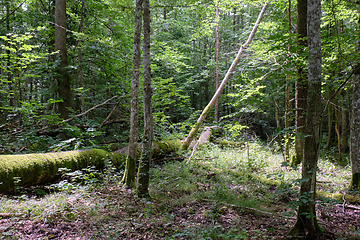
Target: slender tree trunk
51,58
144,165
63,80
337,132
287,121
331,122
217,48
355,129
287,96
345,122
81,72
306,224
301,84
217,94
8,63
279,126
130,168
355,134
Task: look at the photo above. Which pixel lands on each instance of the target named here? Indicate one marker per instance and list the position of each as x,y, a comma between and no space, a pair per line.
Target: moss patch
165,147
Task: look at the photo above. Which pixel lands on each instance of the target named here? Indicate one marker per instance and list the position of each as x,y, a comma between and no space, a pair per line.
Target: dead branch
109,115
89,110
10,215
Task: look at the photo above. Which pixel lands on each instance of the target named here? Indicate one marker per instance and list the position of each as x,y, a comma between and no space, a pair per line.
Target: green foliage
72,180
28,77
183,64
169,101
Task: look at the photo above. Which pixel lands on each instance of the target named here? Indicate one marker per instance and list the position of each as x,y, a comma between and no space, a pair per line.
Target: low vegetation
222,193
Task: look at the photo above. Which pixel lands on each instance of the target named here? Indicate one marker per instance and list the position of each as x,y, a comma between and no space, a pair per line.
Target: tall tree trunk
50,57
301,84
279,125
337,131
331,115
355,134
63,80
81,72
217,94
306,224
287,96
217,47
8,63
355,129
287,121
144,165
345,122
130,168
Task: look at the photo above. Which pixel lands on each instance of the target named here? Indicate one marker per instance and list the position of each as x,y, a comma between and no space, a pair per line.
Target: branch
81,114
99,105
10,215
7,16
109,116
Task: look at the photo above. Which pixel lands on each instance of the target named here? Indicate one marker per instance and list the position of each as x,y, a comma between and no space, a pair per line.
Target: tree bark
337,131
80,62
130,168
63,80
355,129
8,62
287,96
217,49
144,165
345,122
279,125
306,224
355,134
301,84
217,94
331,115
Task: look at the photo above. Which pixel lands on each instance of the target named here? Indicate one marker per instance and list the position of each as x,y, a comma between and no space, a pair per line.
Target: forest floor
220,194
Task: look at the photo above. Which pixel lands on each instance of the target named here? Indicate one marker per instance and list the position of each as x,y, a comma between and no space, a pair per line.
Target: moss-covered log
351,198
226,143
33,169
159,149
41,168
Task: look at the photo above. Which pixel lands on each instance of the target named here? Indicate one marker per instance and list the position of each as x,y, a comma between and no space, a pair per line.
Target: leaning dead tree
217,94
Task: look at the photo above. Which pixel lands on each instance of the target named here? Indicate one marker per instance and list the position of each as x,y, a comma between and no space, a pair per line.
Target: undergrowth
211,197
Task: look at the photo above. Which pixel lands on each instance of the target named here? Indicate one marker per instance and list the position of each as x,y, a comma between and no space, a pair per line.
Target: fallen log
33,169
159,149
